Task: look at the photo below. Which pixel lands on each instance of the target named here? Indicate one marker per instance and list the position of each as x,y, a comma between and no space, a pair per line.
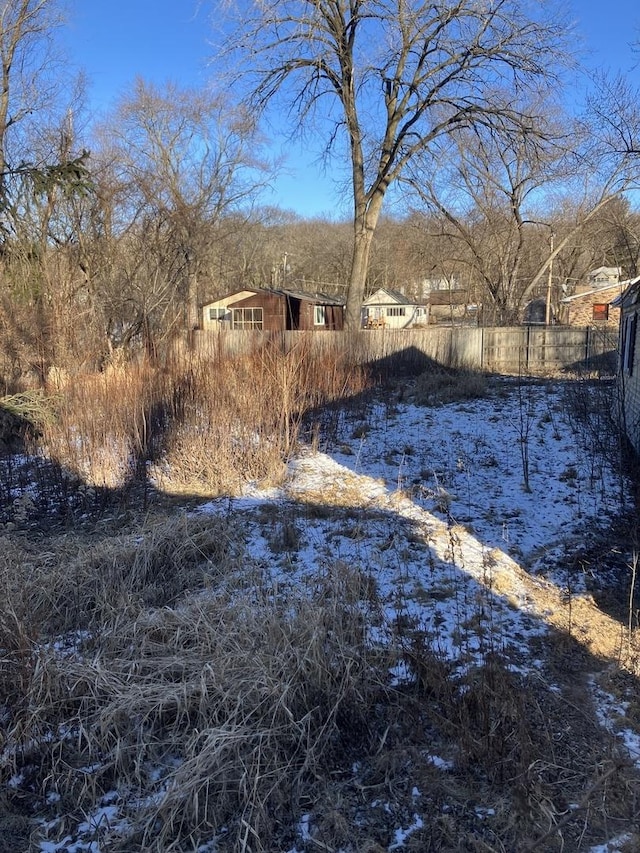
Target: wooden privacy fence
548,349
518,349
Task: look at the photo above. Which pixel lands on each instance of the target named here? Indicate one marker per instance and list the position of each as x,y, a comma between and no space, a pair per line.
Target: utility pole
549,279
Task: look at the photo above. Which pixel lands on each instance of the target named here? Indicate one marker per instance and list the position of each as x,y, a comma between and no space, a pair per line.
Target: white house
603,277
390,309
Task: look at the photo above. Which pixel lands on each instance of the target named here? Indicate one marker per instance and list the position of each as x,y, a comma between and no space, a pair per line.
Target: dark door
293,314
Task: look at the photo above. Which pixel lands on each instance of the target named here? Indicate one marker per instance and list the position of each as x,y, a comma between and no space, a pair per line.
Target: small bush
440,386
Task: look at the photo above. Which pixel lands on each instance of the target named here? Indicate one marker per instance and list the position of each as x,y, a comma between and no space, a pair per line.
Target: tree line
466,163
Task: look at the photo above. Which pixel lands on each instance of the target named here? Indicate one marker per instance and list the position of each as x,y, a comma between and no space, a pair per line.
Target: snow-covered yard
434,505
458,534
468,519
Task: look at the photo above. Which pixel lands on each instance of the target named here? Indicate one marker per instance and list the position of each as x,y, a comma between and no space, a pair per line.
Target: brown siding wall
273,308
306,317
333,318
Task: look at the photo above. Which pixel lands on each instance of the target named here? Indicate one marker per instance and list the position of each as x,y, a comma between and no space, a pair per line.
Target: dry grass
192,427
159,671
223,710
241,422
104,423
441,385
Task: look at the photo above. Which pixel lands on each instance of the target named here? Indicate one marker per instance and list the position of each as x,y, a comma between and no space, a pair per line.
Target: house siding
577,310
273,310
334,318
382,310
302,316
629,377
225,302
629,361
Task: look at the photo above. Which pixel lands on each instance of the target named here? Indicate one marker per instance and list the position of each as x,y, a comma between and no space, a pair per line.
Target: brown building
274,311
452,307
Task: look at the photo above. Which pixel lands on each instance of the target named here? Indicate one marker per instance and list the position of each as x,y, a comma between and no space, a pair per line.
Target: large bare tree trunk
365,223
358,280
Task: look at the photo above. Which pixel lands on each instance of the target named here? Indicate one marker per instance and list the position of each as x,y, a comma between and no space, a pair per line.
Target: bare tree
614,109
606,158
38,97
621,231
516,203
187,160
24,25
40,170
402,74
610,238
31,81
486,193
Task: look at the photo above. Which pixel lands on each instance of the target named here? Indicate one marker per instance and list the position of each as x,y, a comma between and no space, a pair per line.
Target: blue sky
116,40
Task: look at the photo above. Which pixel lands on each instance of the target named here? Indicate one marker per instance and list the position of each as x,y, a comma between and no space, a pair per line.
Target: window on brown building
601,311
247,318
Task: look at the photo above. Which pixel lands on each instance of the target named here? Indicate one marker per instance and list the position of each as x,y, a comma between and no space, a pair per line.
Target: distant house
274,311
451,306
592,307
443,282
628,304
603,276
391,309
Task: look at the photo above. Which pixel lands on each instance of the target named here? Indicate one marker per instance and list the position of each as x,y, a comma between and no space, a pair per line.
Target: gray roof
304,296
629,295
395,298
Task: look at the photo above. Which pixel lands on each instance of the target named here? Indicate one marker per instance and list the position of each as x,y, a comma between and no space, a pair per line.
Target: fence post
587,346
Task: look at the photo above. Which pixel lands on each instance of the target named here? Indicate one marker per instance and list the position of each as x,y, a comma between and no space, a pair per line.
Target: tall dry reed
195,425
